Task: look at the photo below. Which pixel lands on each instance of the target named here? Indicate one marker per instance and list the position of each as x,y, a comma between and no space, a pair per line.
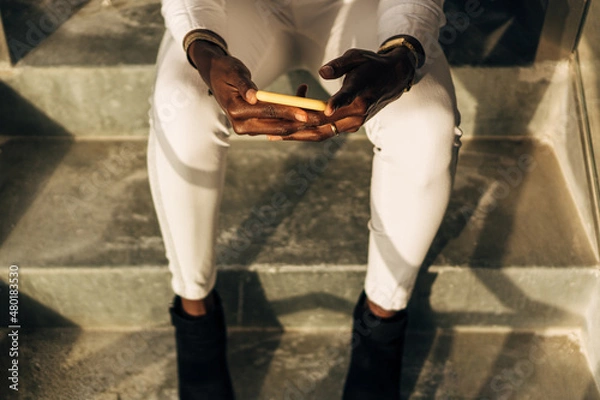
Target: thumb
302,90
340,66
244,85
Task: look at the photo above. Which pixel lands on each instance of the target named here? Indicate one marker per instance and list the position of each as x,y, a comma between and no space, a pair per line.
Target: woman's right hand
231,84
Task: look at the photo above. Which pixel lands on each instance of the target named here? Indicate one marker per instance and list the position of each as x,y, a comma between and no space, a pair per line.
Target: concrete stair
506,305
82,229
111,365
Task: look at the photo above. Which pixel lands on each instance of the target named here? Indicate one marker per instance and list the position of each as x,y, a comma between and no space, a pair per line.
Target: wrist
200,50
201,55
408,42
406,63
404,56
203,40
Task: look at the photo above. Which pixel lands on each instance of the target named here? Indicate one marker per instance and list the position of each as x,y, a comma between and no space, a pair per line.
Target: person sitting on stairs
384,69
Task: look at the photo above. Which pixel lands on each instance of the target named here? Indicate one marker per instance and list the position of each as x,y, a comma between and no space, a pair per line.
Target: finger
343,98
242,82
316,118
242,111
247,90
356,108
346,96
305,136
316,134
349,124
250,96
340,66
260,126
345,125
302,90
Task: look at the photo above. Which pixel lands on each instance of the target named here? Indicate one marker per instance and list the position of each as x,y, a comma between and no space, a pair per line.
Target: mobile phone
294,101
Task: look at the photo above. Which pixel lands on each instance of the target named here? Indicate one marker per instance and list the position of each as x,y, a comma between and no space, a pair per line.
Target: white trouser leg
188,145
416,141
186,160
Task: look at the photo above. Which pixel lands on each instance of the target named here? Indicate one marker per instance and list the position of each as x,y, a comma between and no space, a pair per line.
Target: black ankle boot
376,361
201,353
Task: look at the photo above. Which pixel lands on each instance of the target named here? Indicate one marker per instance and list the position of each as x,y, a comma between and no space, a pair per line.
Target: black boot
376,361
201,353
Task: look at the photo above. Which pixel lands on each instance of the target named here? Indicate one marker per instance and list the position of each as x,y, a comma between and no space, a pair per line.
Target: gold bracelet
207,36
400,42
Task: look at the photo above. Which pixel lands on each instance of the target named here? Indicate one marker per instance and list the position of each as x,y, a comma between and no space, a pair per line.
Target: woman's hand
231,84
371,82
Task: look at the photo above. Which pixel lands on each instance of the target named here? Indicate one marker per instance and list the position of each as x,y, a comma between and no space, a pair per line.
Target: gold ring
334,129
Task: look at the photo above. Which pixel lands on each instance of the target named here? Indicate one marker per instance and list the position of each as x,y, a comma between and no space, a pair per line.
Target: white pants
415,142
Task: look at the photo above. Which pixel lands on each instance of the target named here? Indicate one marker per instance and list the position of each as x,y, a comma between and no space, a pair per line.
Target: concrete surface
113,100
93,75
79,220
103,31
589,58
592,333
87,79
589,63
4,54
307,297
87,203
499,259
76,101
589,53
70,364
29,23
112,32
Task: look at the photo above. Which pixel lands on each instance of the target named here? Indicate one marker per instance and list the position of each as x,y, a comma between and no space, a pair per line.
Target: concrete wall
592,334
538,101
589,63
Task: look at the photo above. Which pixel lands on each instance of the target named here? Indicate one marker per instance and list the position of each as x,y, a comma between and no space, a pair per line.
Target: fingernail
274,138
251,96
301,117
328,111
326,70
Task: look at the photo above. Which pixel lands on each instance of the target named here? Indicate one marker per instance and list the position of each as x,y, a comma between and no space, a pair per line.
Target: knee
189,125
168,103
421,143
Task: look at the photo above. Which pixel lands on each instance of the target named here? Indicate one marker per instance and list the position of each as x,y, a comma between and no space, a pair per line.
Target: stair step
87,203
93,73
101,32
112,32
78,220
111,365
